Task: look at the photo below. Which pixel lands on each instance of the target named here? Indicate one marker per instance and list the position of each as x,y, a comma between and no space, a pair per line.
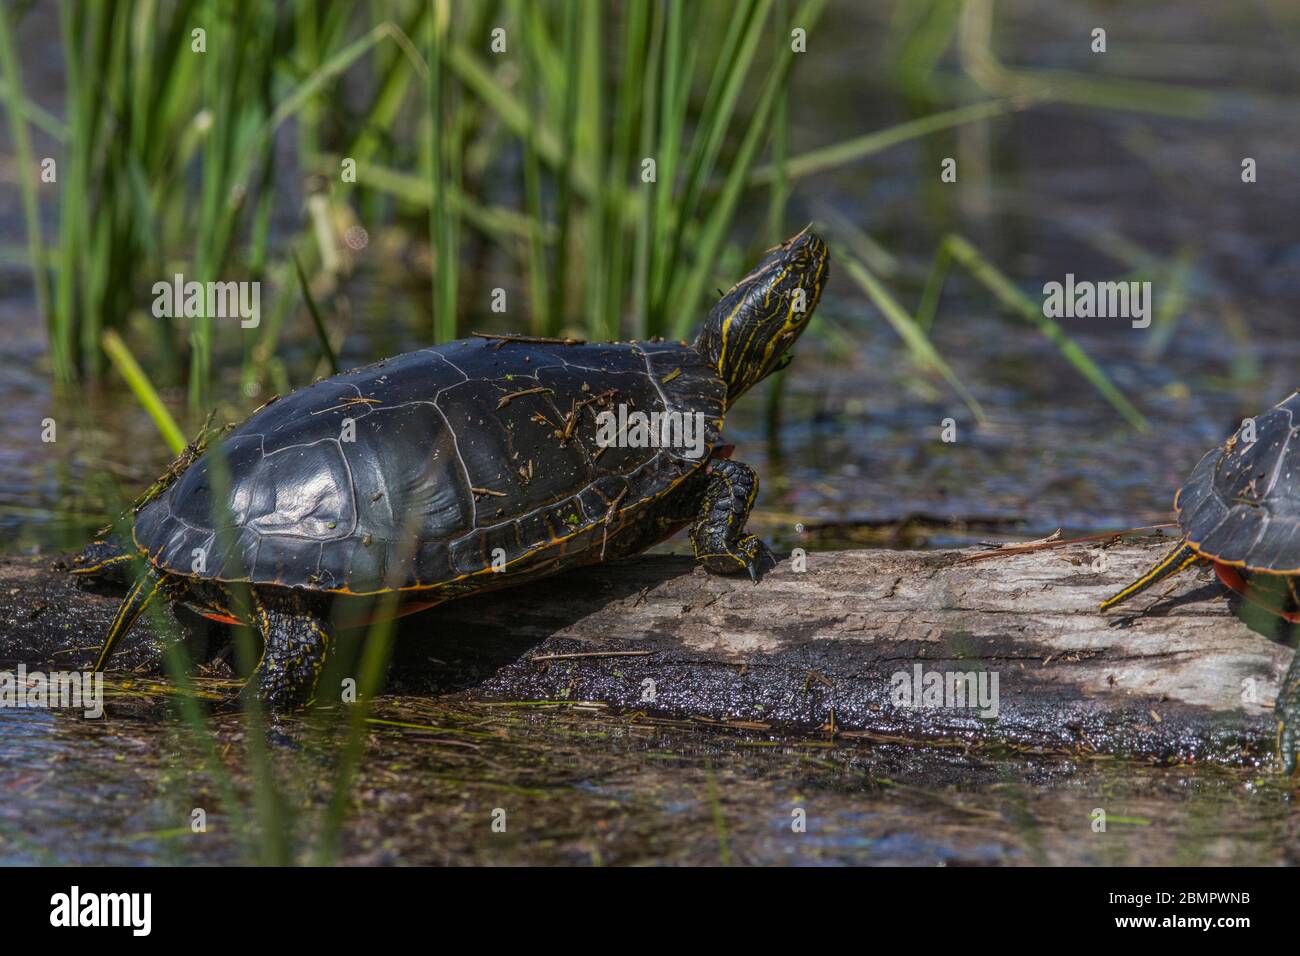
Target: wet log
838,643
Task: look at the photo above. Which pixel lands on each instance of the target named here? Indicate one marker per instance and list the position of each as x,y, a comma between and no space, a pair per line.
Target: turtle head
103,561
748,332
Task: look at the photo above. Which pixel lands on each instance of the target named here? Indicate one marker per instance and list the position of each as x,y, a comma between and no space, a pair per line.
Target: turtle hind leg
128,612
718,534
297,641
1172,563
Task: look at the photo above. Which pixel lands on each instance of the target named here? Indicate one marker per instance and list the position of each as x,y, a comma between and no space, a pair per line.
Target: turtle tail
132,606
1172,563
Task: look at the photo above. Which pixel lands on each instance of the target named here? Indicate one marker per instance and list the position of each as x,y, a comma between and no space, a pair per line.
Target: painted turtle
1240,512
480,463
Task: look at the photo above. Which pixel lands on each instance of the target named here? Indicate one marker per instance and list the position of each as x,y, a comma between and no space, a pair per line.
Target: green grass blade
321,336
564,199
877,258
780,190
677,71
934,282
388,99
140,386
1178,278
975,45
622,170
47,123
515,115
860,147
646,228
333,67
312,86
719,221
1010,296
74,211
441,235
498,223
538,280
590,141
746,28
913,336
923,31
16,107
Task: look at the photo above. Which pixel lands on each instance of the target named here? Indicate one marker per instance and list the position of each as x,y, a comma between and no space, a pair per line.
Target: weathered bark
815,650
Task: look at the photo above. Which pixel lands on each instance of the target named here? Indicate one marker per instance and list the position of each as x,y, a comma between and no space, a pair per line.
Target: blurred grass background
610,153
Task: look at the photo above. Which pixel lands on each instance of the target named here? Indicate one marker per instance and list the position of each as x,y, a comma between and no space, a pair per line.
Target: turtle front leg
718,534
297,641
1287,712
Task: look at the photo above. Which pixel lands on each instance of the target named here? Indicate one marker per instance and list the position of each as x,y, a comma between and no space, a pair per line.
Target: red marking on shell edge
410,607
1232,579
220,618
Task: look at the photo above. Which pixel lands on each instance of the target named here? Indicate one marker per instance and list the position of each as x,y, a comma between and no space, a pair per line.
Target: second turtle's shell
1241,505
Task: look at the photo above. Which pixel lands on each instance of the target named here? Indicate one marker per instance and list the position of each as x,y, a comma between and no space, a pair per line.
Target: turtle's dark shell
1241,505
457,451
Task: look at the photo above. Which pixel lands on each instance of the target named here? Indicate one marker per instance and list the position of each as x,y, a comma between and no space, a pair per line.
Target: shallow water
857,460
580,786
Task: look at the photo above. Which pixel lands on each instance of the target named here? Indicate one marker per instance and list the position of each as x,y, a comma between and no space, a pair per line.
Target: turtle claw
753,554
745,555
765,561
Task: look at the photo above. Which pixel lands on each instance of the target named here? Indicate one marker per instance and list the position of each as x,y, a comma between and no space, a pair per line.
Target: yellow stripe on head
757,320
